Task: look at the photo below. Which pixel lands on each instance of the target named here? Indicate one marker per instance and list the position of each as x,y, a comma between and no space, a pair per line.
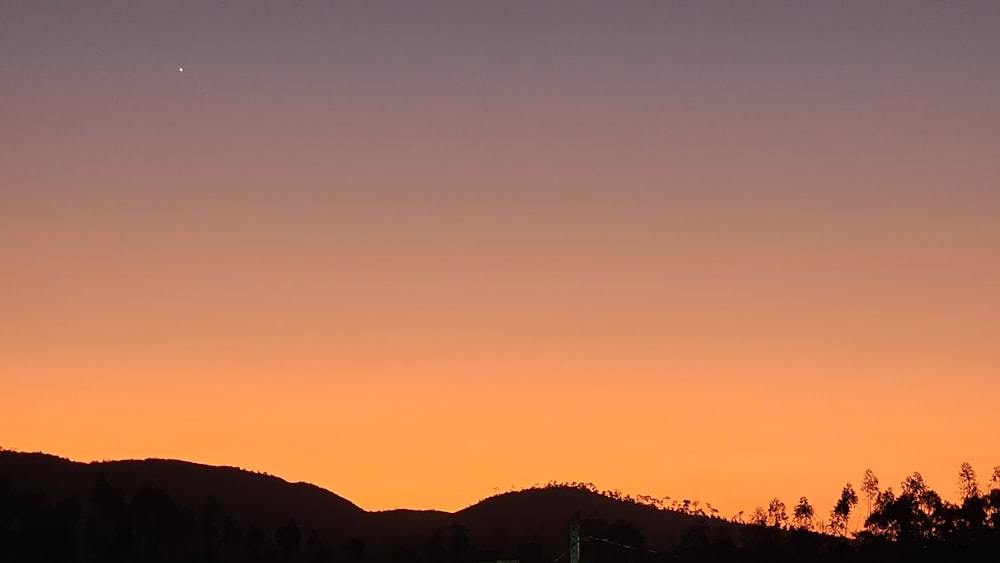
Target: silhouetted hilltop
54,509
538,520
531,524
251,497
545,514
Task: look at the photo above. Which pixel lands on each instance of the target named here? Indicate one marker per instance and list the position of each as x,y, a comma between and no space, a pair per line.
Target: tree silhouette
288,537
913,518
968,487
316,549
972,515
355,548
232,537
993,500
803,514
841,513
149,525
869,485
32,529
777,517
158,524
209,524
254,541
108,535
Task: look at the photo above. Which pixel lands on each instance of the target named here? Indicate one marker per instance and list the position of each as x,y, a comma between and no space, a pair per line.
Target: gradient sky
412,252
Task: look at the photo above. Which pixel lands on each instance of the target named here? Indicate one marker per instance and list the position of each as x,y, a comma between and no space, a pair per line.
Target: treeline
913,524
147,526
683,506
150,526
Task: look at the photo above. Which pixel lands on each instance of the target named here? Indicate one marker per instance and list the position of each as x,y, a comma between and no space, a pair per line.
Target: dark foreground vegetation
146,512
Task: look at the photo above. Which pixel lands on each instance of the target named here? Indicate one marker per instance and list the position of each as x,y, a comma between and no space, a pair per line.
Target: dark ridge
256,497
546,513
531,525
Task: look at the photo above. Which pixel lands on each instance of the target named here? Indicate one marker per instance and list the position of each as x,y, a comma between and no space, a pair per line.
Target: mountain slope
532,524
252,497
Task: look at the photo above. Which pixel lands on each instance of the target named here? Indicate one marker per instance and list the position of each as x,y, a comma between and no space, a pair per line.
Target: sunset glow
414,255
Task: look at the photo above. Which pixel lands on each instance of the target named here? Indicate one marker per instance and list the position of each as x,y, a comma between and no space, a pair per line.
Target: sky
418,253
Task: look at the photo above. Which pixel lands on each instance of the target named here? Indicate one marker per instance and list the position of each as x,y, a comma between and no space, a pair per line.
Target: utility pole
574,542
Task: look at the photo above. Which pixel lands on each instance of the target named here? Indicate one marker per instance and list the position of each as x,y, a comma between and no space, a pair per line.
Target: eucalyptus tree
869,485
968,486
802,514
777,516
841,512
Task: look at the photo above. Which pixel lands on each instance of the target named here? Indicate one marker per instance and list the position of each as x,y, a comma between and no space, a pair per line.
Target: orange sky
715,254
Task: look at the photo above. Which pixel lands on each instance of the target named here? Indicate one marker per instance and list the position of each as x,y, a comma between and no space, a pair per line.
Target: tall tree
841,513
914,485
882,522
288,537
777,516
913,516
974,511
869,485
925,498
994,498
968,487
803,514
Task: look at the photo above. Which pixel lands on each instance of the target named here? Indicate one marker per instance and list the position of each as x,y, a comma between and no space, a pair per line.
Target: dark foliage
146,524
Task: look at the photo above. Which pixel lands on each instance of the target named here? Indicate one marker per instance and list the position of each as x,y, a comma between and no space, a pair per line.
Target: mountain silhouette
253,497
534,521
157,510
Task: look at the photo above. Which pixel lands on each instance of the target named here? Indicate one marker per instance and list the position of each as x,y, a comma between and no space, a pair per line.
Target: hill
253,497
532,524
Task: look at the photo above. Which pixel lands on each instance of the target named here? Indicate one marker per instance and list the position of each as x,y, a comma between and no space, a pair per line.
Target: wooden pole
574,543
